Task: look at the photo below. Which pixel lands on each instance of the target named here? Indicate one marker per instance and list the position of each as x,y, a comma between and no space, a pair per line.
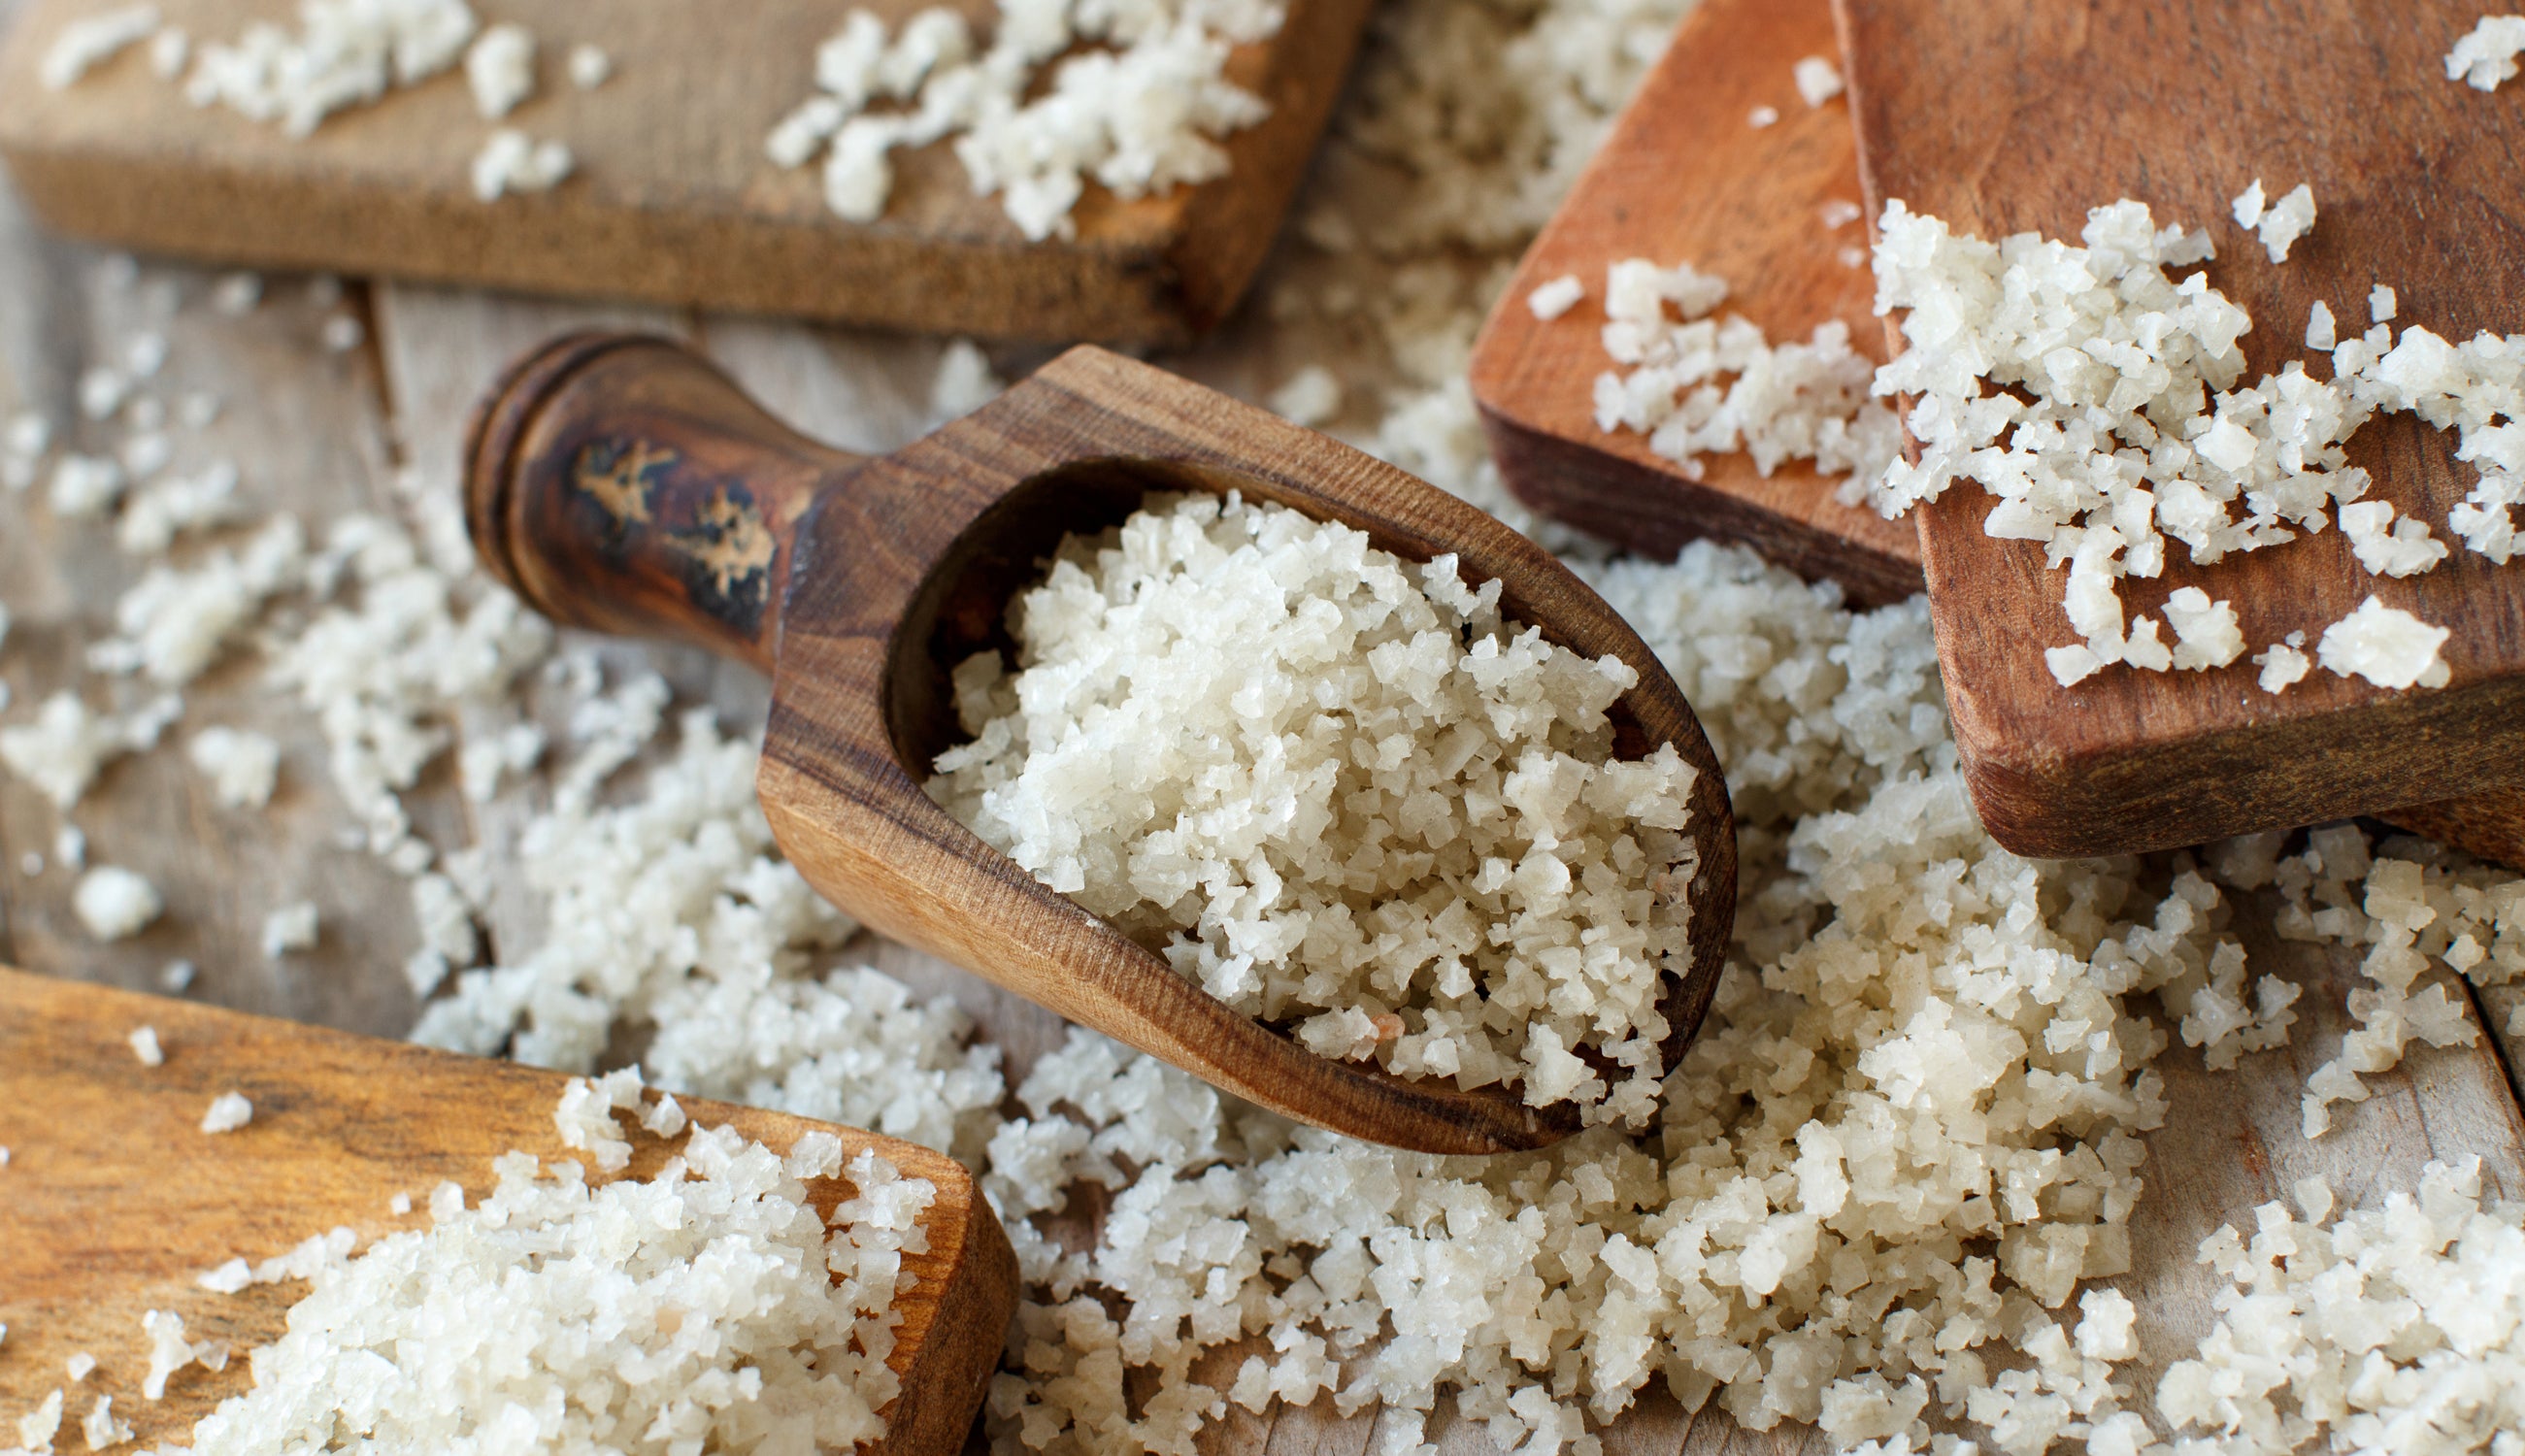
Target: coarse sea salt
115,904
706,1308
1391,819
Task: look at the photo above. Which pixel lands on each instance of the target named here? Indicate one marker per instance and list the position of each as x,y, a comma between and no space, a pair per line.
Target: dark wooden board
2004,116
1685,177
117,1200
673,201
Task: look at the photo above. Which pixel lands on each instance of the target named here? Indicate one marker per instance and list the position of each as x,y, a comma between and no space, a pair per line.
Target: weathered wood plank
305,427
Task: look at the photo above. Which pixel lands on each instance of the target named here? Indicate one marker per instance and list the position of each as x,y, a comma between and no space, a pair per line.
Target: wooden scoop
623,483
113,1201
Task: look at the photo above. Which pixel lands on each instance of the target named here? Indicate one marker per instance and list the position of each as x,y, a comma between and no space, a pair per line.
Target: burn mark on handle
713,533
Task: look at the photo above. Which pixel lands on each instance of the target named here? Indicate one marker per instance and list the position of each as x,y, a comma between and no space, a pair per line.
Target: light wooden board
101,1230
673,200
1685,177
2009,117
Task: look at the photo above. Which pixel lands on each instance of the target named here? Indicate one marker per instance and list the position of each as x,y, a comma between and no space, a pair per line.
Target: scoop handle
620,483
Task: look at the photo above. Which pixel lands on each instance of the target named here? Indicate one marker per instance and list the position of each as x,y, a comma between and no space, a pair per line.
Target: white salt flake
241,767
1310,397
511,162
2486,55
499,70
588,66
2288,219
1550,300
1818,79
90,41
2384,645
228,1111
115,903
289,929
145,1045
1761,117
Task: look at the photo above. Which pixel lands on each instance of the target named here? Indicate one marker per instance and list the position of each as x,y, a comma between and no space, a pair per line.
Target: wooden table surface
324,434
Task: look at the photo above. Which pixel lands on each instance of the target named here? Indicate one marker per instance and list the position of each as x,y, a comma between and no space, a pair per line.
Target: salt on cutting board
349,1133
2186,108
1719,164
657,182
619,482
1687,175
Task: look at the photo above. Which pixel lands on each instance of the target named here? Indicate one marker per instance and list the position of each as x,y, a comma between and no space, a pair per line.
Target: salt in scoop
623,483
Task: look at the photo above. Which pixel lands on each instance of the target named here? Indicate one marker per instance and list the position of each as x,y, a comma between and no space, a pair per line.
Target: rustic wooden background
324,434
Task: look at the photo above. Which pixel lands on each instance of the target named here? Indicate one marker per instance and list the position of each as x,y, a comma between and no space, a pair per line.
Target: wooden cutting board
2004,116
673,200
1684,176
114,1201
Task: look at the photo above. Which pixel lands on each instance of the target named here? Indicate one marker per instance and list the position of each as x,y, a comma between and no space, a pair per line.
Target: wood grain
100,1228
673,200
1684,177
2181,104
903,567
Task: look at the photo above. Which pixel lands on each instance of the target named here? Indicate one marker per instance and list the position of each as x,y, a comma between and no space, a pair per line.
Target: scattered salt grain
2382,305
400,1204
1548,301
241,767
2385,546
589,66
177,977
1761,117
1310,397
169,1352
2320,330
2486,55
1133,98
2248,207
1783,402
511,162
90,41
1818,81
102,391
80,1366
85,486
145,1045
342,56
228,1111
1840,213
36,1430
100,1426
168,50
964,381
237,294
70,847
499,70
341,333
2283,666
2384,645
115,903
291,928
2288,219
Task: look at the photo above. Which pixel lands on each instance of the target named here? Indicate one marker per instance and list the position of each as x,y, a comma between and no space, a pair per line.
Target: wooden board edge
1545,471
